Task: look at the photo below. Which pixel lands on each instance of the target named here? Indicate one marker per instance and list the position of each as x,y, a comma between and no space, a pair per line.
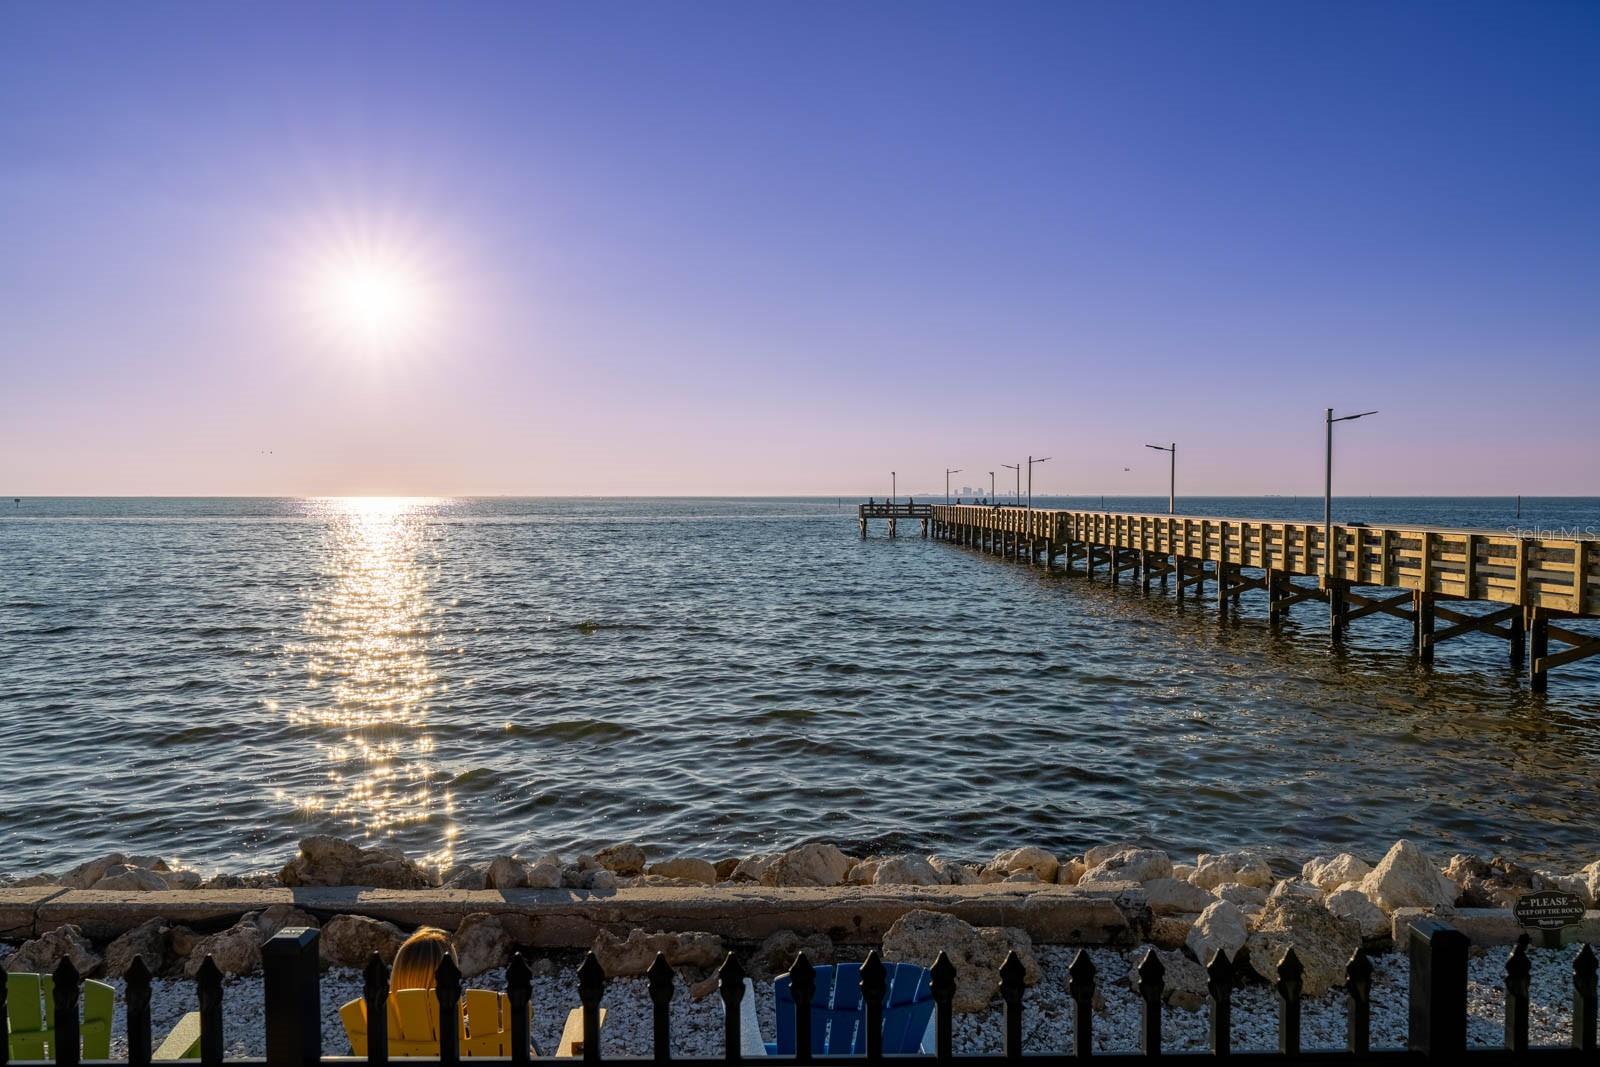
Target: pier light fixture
1018,468
947,473
1031,462
1327,490
1172,475
894,485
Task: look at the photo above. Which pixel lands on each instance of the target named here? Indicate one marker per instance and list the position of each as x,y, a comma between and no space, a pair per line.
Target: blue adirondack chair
838,1017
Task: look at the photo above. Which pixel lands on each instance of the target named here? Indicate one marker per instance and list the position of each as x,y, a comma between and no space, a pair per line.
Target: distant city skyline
555,249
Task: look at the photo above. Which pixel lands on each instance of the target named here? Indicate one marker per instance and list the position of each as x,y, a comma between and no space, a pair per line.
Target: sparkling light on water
367,672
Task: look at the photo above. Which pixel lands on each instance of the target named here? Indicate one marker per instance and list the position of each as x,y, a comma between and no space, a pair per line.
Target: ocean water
214,679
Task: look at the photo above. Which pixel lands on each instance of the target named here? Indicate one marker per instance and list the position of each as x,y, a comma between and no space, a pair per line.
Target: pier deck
1530,583
894,512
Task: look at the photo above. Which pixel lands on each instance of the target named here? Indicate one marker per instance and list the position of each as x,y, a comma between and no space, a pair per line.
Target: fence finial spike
942,975
1081,970
1359,969
138,970
661,976
590,974
518,971
730,979
66,973
1517,963
1290,969
1151,973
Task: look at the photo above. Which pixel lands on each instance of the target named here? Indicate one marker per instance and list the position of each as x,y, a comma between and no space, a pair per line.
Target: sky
700,248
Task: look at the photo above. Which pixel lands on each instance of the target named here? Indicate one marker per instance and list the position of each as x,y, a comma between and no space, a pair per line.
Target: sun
373,299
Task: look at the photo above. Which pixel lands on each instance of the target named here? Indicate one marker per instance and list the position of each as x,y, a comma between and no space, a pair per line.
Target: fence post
1438,989
67,1046
942,984
1012,976
136,993
292,994
1518,971
661,982
1152,987
1583,1000
1080,987
1358,1002
519,992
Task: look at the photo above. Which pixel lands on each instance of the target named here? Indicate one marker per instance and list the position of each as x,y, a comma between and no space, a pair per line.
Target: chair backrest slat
838,1018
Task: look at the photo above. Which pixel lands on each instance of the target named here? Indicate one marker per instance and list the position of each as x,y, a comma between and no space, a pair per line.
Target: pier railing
1531,584
1437,1010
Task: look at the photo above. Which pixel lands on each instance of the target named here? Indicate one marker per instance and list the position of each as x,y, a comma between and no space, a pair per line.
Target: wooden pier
923,513
1420,574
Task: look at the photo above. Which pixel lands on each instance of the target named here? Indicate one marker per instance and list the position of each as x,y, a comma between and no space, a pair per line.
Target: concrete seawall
1111,914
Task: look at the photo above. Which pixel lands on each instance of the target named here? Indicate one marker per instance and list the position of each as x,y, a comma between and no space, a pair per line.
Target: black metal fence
1437,1002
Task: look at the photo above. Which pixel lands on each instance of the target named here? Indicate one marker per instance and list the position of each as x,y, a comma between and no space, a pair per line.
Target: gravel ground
697,1025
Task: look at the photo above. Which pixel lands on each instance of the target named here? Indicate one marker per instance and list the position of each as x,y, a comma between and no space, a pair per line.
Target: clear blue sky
786,248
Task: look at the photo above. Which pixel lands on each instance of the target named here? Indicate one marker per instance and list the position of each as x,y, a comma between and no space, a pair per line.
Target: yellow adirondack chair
31,1017
485,1024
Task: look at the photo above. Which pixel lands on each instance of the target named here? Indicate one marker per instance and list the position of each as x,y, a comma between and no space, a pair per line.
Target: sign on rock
1548,909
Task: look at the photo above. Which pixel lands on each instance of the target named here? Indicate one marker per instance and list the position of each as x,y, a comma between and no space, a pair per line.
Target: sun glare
373,300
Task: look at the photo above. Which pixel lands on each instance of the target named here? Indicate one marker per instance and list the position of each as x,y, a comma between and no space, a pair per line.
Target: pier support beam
1538,649
1338,609
1422,616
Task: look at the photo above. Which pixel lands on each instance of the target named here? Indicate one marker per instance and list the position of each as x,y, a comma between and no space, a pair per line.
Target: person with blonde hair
414,1011
416,965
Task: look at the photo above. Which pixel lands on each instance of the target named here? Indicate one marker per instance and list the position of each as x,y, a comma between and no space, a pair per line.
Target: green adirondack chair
31,1012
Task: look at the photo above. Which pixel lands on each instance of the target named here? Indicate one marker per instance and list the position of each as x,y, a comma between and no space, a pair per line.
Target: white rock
1407,878
1184,982
481,943
1324,942
1027,858
1328,873
85,875
506,872
124,878
1241,894
1220,926
977,952
905,870
350,940
1295,887
624,860
1071,871
688,868
545,874
953,873
1100,853
815,864
41,955
1353,904
1131,865
1244,867
1169,896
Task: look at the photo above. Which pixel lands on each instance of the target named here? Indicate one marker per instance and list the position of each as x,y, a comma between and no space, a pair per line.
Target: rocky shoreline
1243,900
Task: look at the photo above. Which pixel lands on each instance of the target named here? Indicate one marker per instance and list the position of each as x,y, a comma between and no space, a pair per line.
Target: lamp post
1172,475
1018,468
1327,491
947,473
991,487
893,486
1031,462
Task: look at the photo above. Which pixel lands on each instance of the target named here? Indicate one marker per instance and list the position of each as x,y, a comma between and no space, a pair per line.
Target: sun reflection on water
368,628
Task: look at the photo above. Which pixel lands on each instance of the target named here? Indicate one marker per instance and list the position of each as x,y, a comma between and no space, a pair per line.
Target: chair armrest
183,1043
571,1043
751,1043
